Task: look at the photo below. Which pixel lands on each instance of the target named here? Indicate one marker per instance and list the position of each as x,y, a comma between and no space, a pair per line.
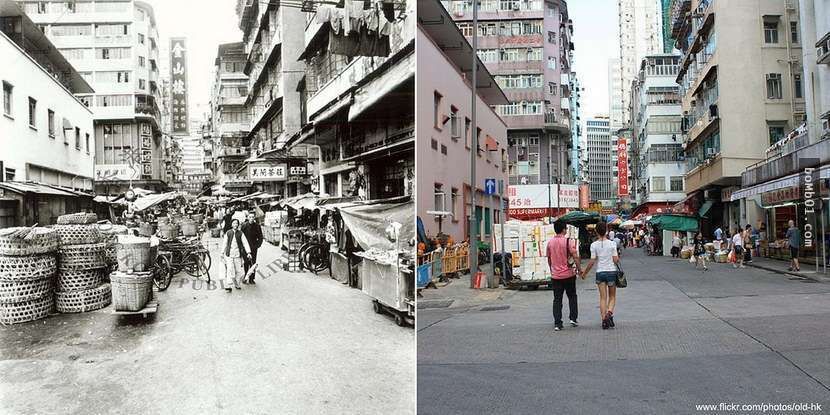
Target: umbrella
578,217
630,224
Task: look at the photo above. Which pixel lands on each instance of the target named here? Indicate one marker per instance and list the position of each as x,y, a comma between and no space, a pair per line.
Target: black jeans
567,286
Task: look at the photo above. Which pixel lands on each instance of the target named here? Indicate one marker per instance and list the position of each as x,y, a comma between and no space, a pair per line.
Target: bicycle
314,254
189,256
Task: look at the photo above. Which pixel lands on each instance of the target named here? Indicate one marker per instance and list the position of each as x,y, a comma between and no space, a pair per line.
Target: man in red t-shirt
559,250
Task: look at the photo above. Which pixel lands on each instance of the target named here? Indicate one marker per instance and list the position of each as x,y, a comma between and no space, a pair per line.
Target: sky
206,25
595,40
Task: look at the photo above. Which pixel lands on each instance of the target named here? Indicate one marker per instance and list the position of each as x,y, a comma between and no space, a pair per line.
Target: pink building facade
444,136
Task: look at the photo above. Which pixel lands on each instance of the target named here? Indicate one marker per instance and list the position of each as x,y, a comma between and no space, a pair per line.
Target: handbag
621,282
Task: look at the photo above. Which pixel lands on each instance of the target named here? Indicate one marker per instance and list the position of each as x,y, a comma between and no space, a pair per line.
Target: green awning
705,208
678,223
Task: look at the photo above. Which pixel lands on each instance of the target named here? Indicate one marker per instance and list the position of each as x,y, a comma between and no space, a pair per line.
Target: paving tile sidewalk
807,270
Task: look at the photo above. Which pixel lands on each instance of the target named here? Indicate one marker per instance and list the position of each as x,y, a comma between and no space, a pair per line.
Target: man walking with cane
560,250
253,233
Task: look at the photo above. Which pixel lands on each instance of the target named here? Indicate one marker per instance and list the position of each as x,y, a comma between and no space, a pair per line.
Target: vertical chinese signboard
146,137
622,167
178,86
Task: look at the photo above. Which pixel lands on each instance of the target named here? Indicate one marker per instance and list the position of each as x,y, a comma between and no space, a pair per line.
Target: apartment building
752,47
527,45
615,90
640,28
576,127
815,38
46,133
229,120
273,41
445,135
114,46
656,136
600,171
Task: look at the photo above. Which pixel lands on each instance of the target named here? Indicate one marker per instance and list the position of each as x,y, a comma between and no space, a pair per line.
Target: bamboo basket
39,241
78,234
198,218
189,228
77,219
83,301
27,310
69,281
146,229
131,292
168,231
12,292
82,257
135,254
20,269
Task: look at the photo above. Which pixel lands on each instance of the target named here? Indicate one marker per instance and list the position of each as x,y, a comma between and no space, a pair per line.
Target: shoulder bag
621,282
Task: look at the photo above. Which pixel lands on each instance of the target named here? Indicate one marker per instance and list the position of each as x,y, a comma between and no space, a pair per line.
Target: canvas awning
41,188
372,92
678,223
368,221
705,208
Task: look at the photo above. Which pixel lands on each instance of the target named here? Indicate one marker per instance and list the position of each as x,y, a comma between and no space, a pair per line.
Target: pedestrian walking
699,251
253,233
563,260
234,250
676,243
794,241
738,247
604,255
226,221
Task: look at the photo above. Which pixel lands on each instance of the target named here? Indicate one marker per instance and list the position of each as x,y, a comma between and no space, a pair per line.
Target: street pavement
684,337
294,343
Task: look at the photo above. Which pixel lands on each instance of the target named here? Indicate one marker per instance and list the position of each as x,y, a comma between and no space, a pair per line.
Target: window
467,126
552,62
112,30
10,173
552,87
434,144
658,184
32,112
454,203
676,183
439,199
443,149
77,138
75,53
794,32
142,84
455,130
51,115
112,53
87,143
798,86
770,29
141,62
7,98
114,100
522,81
551,37
437,109
776,130
774,86
70,30
141,38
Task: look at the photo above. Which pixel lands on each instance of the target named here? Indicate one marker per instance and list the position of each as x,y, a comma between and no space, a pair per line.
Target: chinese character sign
178,86
267,173
622,167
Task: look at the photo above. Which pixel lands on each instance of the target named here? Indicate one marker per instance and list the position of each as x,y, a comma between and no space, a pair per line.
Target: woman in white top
604,254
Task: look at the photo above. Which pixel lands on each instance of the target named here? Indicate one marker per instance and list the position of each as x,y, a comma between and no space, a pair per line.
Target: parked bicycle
314,254
183,254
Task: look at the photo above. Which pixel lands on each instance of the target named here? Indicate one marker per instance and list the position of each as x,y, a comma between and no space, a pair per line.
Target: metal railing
787,162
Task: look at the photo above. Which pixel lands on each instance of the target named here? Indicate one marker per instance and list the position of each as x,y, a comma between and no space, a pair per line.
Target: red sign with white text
622,167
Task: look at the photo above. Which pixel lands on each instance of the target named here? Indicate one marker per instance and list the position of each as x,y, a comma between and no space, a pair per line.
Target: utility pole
474,153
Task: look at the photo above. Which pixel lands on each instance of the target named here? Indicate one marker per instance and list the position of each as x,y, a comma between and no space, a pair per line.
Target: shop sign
112,172
787,194
297,170
268,173
726,193
178,85
568,195
622,167
531,196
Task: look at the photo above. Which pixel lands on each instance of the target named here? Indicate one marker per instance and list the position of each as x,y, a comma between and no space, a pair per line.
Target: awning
372,92
149,201
678,223
788,181
705,208
41,188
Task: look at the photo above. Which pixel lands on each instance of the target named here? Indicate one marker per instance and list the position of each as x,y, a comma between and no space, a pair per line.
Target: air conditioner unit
710,152
515,7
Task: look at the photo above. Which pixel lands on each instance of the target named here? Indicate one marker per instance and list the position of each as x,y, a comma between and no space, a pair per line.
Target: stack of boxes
527,242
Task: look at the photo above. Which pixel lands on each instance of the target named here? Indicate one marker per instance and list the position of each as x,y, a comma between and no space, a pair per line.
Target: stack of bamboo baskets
27,273
82,265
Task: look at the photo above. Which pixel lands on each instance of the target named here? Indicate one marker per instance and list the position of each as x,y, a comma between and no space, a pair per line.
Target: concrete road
293,344
683,338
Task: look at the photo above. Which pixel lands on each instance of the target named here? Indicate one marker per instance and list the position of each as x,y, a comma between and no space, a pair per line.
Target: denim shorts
608,277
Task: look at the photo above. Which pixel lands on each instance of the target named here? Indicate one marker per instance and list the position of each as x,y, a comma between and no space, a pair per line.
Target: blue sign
489,186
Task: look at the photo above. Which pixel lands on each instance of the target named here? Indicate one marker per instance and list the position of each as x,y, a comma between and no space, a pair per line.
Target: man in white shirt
738,248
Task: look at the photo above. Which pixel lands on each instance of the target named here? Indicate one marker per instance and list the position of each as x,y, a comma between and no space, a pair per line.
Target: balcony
823,50
779,166
233,152
679,9
145,105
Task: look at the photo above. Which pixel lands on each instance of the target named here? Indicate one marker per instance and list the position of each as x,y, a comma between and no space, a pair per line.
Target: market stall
526,242
384,233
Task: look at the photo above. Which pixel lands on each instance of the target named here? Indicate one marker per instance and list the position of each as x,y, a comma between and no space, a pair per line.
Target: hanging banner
178,86
622,167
